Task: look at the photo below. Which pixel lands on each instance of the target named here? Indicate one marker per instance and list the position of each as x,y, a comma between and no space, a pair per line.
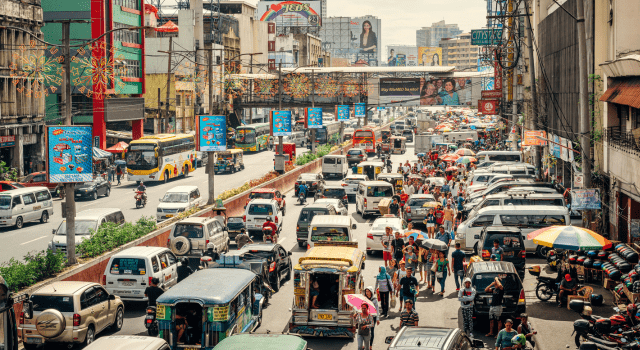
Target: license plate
128,283
77,195
118,292
507,254
34,340
169,216
325,317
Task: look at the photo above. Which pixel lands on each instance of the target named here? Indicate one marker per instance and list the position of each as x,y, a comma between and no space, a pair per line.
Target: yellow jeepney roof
340,257
230,151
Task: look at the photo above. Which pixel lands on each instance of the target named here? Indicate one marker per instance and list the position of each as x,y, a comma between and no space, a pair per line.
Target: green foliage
8,173
309,157
110,236
35,268
594,77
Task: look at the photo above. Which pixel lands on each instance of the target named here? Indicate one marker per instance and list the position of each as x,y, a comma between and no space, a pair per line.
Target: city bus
161,157
366,139
329,133
252,137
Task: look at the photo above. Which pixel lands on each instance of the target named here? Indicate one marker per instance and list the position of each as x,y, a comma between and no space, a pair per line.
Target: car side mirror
478,344
290,253
476,236
53,232
112,297
354,226
27,308
388,339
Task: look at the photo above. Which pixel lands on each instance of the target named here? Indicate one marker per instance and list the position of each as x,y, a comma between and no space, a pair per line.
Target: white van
25,205
351,183
527,218
516,197
499,156
297,137
330,228
87,222
335,165
129,272
369,195
177,200
460,136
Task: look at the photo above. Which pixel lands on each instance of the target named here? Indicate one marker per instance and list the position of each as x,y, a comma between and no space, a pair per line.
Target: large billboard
281,123
353,40
402,56
365,39
69,153
429,56
429,92
291,13
395,90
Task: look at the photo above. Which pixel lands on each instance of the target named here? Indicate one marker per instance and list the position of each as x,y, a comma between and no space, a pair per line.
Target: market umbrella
465,152
467,144
433,243
118,147
356,301
570,238
416,235
168,27
100,154
452,168
466,160
451,157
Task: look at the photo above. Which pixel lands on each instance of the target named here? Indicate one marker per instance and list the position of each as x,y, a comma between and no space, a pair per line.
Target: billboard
359,110
429,56
281,123
69,154
314,118
588,199
342,112
447,92
212,133
531,138
365,40
291,13
402,56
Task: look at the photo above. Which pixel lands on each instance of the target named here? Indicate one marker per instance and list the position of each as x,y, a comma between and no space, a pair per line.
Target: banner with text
588,199
212,133
342,112
70,154
531,138
433,92
488,106
281,123
359,110
313,118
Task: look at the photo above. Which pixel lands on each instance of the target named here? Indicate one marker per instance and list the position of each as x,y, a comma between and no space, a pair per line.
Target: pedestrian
384,287
457,221
431,276
495,309
444,237
409,317
364,323
441,270
497,250
110,172
387,240
184,270
466,296
410,257
526,329
369,294
394,208
118,173
503,340
409,286
153,292
458,257
439,215
392,269
448,218
430,221
422,262
400,274
398,246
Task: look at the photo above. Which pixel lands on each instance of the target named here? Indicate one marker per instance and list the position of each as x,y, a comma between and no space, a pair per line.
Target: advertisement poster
70,154
359,110
291,13
586,199
531,138
365,39
555,146
497,76
314,118
447,92
212,135
402,56
281,123
429,56
342,112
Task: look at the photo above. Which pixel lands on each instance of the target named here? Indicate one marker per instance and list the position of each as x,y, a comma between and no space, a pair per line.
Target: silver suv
191,237
414,212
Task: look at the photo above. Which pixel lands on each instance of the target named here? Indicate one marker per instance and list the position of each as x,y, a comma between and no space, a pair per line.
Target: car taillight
22,317
345,198
104,280
344,185
297,228
276,219
365,202
168,242
315,184
308,246
486,254
521,299
361,155
369,235
244,218
76,320
408,209
206,242
523,254
150,278
272,267
471,184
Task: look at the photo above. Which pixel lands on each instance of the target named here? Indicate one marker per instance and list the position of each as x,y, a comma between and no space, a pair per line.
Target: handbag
392,302
439,274
434,267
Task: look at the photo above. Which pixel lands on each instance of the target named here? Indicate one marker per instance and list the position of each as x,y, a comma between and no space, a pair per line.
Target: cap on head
567,277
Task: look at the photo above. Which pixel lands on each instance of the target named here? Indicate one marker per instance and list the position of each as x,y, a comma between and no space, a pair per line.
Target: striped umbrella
466,160
465,152
569,237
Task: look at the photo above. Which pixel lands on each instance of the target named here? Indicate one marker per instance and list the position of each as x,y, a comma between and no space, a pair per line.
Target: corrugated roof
624,92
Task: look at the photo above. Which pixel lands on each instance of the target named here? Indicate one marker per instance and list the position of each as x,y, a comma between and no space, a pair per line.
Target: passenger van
527,218
297,137
25,205
330,228
517,197
306,216
515,169
369,195
128,272
499,156
177,200
335,165
87,222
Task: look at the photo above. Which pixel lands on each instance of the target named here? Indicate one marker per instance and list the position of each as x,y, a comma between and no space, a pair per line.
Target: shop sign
578,180
491,94
588,199
531,138
8,141
487,106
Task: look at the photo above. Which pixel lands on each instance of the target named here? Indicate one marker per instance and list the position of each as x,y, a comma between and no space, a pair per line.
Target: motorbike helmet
211,246
617,320
581,326
519,339
268,218
603,325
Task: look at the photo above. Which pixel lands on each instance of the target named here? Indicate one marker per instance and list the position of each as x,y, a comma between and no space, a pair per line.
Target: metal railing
619,138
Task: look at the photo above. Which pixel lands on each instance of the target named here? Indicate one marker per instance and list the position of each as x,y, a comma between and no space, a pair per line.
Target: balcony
623,140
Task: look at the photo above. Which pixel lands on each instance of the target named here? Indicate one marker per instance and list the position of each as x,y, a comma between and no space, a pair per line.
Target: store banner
212,133
488,106
554,146
571,152
360,110
497,71
69,154
281,123
313,118
342,112
564,154
588,199
531,138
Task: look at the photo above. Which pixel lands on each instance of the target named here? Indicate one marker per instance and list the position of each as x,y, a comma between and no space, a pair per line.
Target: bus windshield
362,134
245,136
142,157
321,135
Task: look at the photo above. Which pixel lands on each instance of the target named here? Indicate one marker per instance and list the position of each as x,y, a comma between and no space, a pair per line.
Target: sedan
312,180
9,185
93,189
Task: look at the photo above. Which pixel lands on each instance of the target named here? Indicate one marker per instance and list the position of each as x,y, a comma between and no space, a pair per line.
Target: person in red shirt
273,227
439,215
434,156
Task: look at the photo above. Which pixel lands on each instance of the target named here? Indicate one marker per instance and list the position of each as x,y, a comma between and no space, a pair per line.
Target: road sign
491,94
486,37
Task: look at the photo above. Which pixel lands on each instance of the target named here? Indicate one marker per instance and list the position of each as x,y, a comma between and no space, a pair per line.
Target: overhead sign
531,138
8,141
342,112
212,133
588,199
488,106
486,37
313,118
360,110
69,154
491,94
281,123
291,13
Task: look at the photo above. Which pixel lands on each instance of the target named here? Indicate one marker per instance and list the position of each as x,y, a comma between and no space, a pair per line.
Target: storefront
22,148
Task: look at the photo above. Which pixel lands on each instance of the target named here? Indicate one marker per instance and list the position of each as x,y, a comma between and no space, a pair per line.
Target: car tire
288,276
90,337
30,346
45,217
276,285
542,251
19,222
119,320
108,192
95,195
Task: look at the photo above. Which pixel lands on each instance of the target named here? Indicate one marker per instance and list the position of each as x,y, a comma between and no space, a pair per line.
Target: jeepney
396,179
336,267
370,168
398,144
263,342
229,160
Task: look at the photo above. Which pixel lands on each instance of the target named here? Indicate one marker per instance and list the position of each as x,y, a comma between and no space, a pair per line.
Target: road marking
33,240
282,240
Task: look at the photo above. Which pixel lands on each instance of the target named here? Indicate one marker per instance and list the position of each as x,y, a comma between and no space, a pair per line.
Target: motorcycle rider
153,292
274,229
184,270
142,188
302,190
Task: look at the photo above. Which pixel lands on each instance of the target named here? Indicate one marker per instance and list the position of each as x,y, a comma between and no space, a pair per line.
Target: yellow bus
161,157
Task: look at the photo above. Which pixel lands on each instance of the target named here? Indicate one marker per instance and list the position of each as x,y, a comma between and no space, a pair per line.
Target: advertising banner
555,146
564,154
365,40
342,112
313,118
531,138
69,154
401,56
587,199
488,106
486,37
487,83
447,92
491,94
281,123
291,13
359,110
212,133
429,56
497,76
9,141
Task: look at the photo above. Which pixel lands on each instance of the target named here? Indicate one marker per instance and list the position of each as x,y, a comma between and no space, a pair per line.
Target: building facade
431,36
460,53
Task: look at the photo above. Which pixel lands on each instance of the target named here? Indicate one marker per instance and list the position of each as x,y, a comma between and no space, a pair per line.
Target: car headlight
159,210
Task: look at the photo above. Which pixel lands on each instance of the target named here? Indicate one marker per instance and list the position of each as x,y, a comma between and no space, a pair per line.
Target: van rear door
127,277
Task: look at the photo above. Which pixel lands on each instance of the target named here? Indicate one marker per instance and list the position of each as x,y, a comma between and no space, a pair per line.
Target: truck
424,143
424,123
460,136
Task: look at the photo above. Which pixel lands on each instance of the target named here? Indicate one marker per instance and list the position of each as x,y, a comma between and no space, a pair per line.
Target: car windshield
307,177
418,202
482,280
307,215
333,192
83,227
319,234
5,202
261,195
57,302
260,209
380,226
251,253
188,231
506,240
89,184
354,151
175,198
329,160
379,191
16,185
128,266
245,136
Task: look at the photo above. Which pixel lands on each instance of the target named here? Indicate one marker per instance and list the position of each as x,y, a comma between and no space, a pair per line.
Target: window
43,196
128,266
171,258
132,4
154,264
490,202
28,199
484,220
189,231
131,68
124,35
58,302
101,295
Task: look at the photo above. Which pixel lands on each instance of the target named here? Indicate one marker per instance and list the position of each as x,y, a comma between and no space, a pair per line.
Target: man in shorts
386,244
495,308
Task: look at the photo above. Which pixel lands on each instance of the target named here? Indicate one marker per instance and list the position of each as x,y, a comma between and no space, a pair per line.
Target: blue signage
314,118
281,125
212,130
343,112
588,199
359,110
555,146
70,155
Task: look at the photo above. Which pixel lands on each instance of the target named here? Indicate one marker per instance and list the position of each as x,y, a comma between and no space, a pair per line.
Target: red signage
488,106
491,94
497,71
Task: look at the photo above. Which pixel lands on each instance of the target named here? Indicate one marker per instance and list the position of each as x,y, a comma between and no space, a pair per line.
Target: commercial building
460,53
431,36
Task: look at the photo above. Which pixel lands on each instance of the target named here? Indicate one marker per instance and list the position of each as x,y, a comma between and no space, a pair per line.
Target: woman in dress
368,39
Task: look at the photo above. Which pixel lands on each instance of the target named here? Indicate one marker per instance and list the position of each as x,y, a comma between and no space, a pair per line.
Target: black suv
277,258
509,239
335,192
432,338
482,274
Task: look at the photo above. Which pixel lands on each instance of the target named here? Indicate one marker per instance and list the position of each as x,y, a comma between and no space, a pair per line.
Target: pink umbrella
356,301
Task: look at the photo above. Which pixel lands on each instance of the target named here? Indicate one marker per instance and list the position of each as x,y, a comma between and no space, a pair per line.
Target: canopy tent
118,147
100,154
168,27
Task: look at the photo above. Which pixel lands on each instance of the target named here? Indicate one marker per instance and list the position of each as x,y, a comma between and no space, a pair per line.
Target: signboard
402,56
586,199
313,118
69,154
291,13
359,110
212,133
429,56
486,37
281,123
497,76
564,154
578,180
8,141
365,40
531,138
555,146
491,94
342,112
488,106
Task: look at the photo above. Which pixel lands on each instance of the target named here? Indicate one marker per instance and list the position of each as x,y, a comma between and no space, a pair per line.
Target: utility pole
366,118
585,118
69,188
535,122
312,139
196,90
168,94
210,170
159,109
280,148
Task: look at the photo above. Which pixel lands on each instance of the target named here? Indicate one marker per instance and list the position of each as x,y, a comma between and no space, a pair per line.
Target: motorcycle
267,235
546,287
141,201
150,321
302,198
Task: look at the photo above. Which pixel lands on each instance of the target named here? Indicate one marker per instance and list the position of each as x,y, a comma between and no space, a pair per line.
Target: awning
118,147
100,154
168,27
623,91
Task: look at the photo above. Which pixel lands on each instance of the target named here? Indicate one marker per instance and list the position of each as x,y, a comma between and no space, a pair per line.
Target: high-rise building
460,53
324,10
431,36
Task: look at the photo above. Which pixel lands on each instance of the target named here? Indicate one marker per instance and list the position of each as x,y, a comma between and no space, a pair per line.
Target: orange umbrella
168,27
451,157
465,152
118,147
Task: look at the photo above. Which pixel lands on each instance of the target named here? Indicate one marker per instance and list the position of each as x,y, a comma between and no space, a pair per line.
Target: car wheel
108,193
19,222
119,321
542,251
45,217
288,276
91,336
301,244
276,284
95,195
